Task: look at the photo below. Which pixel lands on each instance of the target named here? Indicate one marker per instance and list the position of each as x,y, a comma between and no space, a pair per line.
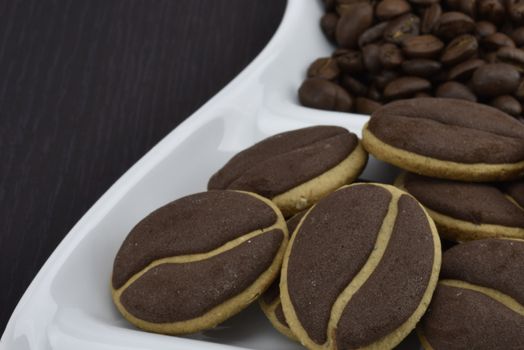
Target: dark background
86,89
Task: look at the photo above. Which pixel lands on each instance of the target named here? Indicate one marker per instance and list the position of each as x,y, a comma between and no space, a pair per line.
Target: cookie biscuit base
476,172
463,231
311,191
393,338
225,310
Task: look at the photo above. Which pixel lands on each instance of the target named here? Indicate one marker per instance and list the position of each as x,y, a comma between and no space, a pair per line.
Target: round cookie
447,138
360,269
197,261
464,211
270,300
296,168
479,301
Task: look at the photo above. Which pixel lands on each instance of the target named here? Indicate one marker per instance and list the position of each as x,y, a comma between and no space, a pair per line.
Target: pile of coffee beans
396,49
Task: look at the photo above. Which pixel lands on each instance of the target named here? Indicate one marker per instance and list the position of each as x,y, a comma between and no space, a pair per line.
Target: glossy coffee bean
518,36
512,56
353,85
372,34
324,68
422,95
328,24
405,87
452,24
422,46
366,106
387,9
463,71
349,61
323,94
495,41
384,78
484,28
468,7
430,18
495,79
515,9
508,104
371,58
459,50
401,28
374,93
491,10
390,56
519,93
421,67
424,2
453,89
353,23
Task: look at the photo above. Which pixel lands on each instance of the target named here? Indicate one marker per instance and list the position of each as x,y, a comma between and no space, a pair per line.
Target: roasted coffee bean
384,78
495,41
468,7
452,89
324,68
459,50
484,28
353,85
424,2
329,4
519,93
464,70
508,104
353,23
452,24
421,67
491,57
422,95
390,56
374,93
515,9
371,58
518,36
491,10
372,34
401,28
349,61
323,94
328,24
495,79
387,9
430,18
422,46
453,4
512,56
366,106
405,87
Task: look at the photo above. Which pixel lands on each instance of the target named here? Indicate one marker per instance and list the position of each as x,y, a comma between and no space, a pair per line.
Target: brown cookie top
194,224
451,130
459,319
189,290
335,242
409,253
284,161
492,263
477,203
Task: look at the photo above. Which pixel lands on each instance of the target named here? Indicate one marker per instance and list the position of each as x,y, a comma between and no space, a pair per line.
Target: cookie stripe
270,311
423,340
502,298
420,164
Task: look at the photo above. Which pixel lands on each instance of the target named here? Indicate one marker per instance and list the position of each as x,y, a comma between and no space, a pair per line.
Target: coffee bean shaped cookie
198,260
479,300
447,138
270,300
296,168
464,211
360,269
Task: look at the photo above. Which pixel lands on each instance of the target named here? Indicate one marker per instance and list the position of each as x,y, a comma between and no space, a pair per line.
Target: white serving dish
68,305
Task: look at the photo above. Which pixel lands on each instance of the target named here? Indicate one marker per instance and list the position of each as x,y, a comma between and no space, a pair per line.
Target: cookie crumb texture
360,270
479,302
198,260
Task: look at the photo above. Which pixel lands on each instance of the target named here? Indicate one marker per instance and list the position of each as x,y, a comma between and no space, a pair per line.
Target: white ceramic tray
68,305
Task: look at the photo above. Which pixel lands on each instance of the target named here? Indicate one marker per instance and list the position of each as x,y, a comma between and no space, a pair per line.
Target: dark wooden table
86,89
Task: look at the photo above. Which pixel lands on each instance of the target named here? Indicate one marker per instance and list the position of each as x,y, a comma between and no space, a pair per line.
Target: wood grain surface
86,89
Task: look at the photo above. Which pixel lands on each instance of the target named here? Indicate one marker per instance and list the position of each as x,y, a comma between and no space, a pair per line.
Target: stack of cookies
337,263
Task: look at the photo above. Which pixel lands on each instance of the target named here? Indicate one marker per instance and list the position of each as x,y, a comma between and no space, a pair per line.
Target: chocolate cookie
296,168
447,138
360,269
270,300
479,301
198,260
464,211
